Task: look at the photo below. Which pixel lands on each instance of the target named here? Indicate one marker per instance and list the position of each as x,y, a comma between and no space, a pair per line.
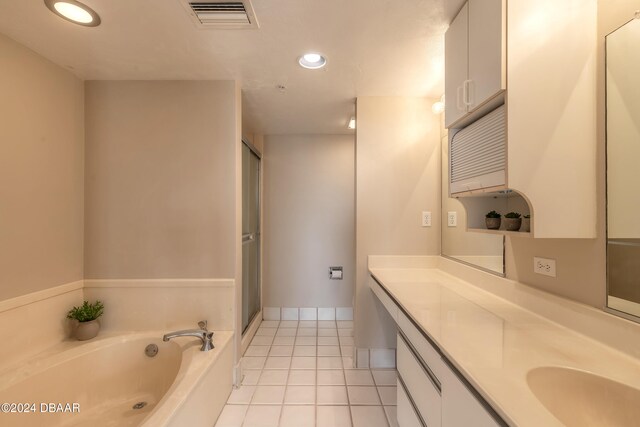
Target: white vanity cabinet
474,58
460,408
430,392
419,381
407,413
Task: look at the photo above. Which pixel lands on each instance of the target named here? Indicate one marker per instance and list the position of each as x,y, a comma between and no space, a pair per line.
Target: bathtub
98,383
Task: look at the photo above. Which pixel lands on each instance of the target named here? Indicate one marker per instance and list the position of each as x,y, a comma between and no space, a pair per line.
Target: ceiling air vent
222,14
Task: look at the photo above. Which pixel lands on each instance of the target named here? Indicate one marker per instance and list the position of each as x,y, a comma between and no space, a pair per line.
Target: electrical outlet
452,219
426,219
544,266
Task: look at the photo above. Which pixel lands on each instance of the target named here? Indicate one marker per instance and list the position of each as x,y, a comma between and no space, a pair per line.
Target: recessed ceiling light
312,61
74,11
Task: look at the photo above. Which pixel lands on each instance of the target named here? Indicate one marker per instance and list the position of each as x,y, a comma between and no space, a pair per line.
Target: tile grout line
286,382
346,387
386,419
315,387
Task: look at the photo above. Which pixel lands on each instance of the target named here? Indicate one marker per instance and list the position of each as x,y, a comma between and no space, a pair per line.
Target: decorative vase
87,330
526,225
512,224
493,223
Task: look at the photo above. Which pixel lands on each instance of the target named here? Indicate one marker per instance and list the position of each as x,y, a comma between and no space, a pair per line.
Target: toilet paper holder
335,273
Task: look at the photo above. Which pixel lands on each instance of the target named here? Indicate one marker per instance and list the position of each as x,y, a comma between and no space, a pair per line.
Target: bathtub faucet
203,333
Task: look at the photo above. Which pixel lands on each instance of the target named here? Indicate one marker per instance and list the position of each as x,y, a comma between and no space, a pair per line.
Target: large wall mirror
623,168
484,251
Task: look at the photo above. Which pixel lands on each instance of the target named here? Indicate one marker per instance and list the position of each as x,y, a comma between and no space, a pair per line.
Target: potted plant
526,223
512,221
87,317
493,220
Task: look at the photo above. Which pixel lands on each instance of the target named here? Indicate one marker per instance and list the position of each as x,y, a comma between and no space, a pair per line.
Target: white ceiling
373,47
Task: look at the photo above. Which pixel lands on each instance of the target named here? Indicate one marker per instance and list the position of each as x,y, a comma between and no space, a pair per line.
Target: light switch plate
452,219
544,266
426,219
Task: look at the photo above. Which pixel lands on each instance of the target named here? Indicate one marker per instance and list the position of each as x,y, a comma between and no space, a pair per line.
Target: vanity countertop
494,343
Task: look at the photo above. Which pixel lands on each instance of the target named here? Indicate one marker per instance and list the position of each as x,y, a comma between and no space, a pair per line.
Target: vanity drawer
386,301
407,416
423,347
460,408
423,387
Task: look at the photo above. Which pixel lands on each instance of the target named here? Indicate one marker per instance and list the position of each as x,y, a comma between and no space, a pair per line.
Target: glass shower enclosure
251,158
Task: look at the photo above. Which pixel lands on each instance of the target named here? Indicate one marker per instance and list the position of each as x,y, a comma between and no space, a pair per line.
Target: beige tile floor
299,374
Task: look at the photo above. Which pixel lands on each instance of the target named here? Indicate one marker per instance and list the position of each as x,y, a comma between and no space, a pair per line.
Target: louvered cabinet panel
478,154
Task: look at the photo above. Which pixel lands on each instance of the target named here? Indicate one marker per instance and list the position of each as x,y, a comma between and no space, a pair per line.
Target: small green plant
513,215
86,312
527,216
493,214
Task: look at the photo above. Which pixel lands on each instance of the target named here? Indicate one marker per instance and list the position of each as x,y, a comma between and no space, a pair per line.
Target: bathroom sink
579,398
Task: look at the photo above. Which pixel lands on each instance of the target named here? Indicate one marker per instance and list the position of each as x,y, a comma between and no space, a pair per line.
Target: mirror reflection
485,251
623,153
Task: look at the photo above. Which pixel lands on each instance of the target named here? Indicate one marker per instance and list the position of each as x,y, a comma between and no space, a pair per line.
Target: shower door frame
253,150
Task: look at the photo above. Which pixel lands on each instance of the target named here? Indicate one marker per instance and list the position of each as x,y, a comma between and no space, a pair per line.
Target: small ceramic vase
87,330
512,224
493,223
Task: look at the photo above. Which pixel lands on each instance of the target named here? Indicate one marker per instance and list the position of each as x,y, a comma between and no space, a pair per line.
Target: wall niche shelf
502,232
503,202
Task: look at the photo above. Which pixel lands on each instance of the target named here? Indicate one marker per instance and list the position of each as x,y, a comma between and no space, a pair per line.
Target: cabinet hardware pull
467,93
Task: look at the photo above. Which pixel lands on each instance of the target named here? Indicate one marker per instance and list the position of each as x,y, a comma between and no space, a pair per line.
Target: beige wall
397,177
41,172
581,264
161,160
309,220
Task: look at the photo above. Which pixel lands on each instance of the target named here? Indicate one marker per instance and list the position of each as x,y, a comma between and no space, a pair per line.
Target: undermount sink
579,398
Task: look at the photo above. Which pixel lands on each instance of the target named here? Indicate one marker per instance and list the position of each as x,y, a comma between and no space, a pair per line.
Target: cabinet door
459,407
456,66
487,37
422,385
407,416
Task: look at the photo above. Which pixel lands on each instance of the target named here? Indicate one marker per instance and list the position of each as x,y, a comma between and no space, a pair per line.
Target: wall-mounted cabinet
475,59
521,108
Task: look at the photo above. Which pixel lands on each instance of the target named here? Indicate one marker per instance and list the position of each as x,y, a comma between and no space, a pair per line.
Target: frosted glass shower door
250,235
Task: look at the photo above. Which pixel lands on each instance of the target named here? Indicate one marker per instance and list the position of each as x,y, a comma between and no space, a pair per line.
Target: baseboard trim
375,358
307,313
158,283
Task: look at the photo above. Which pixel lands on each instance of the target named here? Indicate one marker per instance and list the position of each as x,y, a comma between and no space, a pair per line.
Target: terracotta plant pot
526,225
87,330
493,223
512,224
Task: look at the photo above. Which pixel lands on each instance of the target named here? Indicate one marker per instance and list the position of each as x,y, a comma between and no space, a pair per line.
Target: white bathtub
101,380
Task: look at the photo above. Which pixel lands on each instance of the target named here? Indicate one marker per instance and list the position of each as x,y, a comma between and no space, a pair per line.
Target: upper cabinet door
456,66
486,51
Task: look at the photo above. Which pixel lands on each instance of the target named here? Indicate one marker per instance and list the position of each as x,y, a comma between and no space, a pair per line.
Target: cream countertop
494,343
